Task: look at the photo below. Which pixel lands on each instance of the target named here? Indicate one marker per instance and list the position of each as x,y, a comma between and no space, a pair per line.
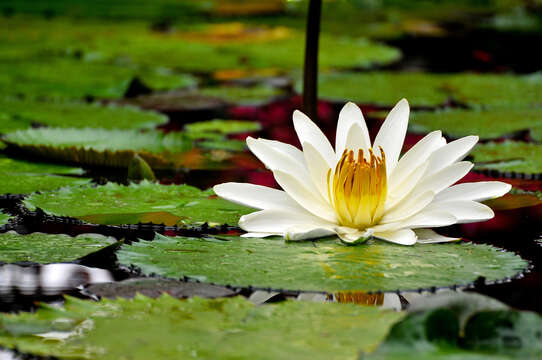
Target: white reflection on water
48,279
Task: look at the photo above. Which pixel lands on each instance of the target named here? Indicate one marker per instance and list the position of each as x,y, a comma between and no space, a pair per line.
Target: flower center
358,188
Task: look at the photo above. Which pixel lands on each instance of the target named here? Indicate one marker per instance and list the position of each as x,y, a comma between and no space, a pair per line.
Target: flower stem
310,69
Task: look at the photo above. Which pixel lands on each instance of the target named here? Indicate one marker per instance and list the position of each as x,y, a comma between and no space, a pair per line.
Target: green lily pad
22,177
383,88
439,333
20,114
192,48
102,147
115,10
116,148
20,166
513,156
422,89
114,204
230,328
4,218
224,127
75,79
497,90
487,124
48,248
243,95
324,265
25,183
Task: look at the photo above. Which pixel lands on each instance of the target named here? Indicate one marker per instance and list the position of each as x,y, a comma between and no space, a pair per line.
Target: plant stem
310,69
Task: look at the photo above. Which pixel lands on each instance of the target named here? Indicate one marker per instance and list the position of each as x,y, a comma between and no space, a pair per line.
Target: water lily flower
362,190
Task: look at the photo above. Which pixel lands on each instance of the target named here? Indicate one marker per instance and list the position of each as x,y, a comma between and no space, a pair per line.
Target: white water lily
362,190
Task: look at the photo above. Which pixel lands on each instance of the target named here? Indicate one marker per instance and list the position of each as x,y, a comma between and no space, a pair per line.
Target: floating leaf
19,183
4,218
324,265
447,332
47,248
100,146
21,166
113,204
383,88
519,157
230,328
242,95
487,124
193,48
422,89
22,177
116,148
497,90
75,79
220,126
20,114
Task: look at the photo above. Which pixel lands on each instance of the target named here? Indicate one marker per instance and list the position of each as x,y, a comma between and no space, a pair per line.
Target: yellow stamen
358,188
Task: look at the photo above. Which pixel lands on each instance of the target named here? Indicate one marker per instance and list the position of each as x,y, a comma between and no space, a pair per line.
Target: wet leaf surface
323,265
487,124
117,204
513,156
21,114
117,148
4,218
66,78
48,248
23,177
166,328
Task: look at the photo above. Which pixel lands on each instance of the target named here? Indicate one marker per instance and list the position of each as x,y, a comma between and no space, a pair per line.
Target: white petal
410,206
347,137
392,134
260,235
422,219
305,232
399,192
465,211
403,237
416,156
278,222
308,199
293,178
476,191
450,153
307,131
351,235
285,149
276,157
443,179
428,236
318,169
256,196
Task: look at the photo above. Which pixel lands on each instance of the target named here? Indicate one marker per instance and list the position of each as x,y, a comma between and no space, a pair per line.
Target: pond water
91,103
